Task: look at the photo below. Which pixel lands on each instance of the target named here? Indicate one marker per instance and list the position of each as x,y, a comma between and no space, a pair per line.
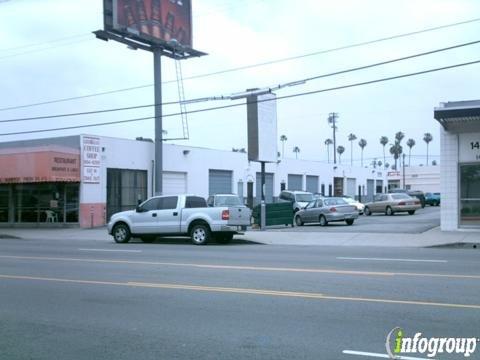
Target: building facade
82,180
460,164
423,178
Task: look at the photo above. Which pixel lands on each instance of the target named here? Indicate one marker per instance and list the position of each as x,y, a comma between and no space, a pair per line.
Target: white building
460,164
423,178
82,180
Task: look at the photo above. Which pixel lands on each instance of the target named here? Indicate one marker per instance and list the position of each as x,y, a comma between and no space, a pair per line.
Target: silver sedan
390,204
327,210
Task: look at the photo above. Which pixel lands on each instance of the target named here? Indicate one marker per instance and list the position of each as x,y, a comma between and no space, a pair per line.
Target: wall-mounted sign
91,159
469,147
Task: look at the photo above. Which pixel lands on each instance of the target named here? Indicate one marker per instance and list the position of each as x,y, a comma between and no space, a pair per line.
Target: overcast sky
35,67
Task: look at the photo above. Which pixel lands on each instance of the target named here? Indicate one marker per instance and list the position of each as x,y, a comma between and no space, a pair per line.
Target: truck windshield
304,197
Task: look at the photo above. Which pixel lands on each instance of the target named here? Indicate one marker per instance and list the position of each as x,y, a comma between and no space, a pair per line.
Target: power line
247,66
258,101
226,97
46,42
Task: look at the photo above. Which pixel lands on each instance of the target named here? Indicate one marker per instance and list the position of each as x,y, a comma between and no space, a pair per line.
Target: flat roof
459,116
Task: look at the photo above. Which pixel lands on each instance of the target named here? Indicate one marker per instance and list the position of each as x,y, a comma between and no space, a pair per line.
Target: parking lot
423,220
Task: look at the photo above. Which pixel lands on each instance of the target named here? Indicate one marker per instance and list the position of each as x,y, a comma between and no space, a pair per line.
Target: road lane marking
248,268
112,250
387,259
265,292
383,356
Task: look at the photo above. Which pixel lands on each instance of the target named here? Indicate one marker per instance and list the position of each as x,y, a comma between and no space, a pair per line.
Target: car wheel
200,234
349,221
225,239
323,220
121,233
367,211
389,211
411,212
298,220
148,239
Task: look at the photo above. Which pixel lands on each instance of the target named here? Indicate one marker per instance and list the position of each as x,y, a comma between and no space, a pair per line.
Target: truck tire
200,234
121,233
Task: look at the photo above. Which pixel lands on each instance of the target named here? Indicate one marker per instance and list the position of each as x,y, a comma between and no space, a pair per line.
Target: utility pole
404,187
332,119
157,71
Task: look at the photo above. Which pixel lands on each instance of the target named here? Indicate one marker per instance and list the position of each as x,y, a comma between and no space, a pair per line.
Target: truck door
145,221
168,215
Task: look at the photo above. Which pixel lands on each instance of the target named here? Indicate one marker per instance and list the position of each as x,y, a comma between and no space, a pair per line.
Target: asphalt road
61,299
423,220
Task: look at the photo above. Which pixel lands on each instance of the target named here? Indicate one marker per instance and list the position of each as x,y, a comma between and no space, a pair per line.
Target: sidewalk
433,237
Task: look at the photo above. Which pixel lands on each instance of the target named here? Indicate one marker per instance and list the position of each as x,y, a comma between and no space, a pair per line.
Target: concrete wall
449,180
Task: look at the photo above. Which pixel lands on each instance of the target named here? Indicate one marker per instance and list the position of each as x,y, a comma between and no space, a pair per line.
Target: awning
459,117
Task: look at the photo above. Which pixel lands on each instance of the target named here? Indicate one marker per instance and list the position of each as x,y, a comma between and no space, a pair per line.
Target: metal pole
157,73
263,211
404,187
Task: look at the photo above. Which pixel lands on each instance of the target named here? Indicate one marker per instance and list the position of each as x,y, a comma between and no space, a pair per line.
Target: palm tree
283,139
328,142
387,165
410,144
351,138
379,163
384,141
340,151
396,150
296,150
399,137
427,137
362,143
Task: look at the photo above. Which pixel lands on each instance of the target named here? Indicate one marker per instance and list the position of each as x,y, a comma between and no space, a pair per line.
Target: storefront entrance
470,195
37,203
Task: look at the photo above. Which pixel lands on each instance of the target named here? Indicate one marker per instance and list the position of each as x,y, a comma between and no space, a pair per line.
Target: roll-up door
351,185
174,183
220,182
312,183
294,182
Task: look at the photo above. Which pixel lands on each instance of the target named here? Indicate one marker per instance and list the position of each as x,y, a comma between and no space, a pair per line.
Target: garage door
312,183
351,185
268,188
220,182
174,183
295,182
370,189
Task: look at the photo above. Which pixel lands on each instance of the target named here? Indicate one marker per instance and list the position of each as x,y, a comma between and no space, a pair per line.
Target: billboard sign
155,22
262,127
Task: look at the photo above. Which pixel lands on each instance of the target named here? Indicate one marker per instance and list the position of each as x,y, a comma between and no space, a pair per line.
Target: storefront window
470,195
45,203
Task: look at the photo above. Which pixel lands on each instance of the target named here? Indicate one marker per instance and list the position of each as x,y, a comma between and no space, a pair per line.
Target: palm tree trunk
409,155
384,166
362,157
328,153
427,154
351,153
283,149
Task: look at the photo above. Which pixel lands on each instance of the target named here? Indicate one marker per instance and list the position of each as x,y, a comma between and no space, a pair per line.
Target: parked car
414,193
186,215
299,199
360,207
432,199
327,210
389,204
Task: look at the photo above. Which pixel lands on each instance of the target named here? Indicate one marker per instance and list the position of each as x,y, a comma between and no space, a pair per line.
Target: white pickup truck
178,215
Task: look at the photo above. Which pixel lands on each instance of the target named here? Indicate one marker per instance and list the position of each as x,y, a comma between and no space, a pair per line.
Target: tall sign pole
157,74
163,27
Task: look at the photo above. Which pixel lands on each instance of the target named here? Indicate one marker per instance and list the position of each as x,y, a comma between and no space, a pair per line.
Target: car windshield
228,201
304,197
349,200
400,196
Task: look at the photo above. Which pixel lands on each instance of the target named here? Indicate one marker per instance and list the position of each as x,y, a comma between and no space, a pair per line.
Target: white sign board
469,147
91,159
262,128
